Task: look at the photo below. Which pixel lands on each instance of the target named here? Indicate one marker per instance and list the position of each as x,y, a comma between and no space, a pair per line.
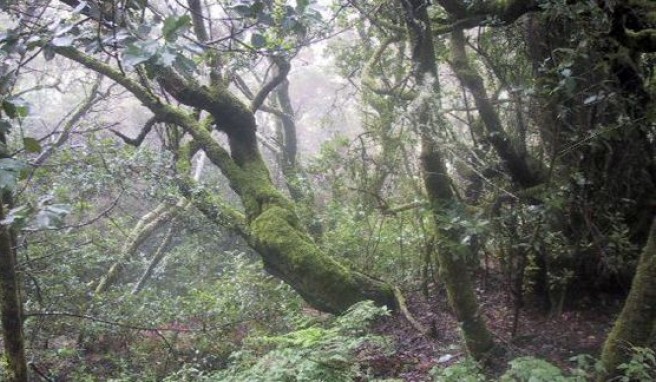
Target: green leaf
5,126
144,30
32,145
289,23
173,25
166,58
139,52
15,108
10,170
301,5
243,10
265,19
92,47
184,65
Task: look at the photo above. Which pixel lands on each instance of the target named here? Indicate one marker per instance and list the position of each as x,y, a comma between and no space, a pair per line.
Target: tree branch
283,68
141,93
148,126
501,12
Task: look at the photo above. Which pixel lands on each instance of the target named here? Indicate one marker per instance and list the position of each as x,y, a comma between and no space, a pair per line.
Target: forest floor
580,329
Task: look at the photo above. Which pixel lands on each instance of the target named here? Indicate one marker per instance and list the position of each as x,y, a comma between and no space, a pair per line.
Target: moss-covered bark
454,270
11,308
274,229
635,325
453,267
291,255
300,189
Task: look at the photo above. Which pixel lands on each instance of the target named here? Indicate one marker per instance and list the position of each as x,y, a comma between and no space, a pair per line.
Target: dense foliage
244,190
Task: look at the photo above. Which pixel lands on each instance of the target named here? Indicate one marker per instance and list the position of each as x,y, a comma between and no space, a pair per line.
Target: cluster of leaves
360,227
276,26
165,51
197,322
313,352
388,247
44,214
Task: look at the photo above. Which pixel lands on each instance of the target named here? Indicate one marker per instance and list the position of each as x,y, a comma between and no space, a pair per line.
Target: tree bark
517,163
11,309
453,266
162,214
635,325
300,188
154,262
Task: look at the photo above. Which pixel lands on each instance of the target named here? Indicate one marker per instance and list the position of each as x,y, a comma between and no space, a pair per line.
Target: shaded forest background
351,190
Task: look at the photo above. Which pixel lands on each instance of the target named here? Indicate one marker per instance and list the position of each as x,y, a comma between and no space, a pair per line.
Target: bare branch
283,68
148,126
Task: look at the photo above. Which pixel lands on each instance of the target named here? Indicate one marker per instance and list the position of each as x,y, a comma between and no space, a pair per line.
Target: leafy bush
641,367
532,369
312,353
466,371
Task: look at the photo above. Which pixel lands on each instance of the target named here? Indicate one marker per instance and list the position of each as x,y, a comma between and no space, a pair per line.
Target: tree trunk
154,262
11,310
635,325
453,267
300,188
517,163
286,249
12,322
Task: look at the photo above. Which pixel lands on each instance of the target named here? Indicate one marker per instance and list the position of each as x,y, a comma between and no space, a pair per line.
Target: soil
580,329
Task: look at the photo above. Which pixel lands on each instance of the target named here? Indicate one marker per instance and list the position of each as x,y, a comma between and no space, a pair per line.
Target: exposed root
400,301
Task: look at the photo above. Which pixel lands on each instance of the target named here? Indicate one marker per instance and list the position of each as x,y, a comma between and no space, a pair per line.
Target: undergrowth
315,351
640,368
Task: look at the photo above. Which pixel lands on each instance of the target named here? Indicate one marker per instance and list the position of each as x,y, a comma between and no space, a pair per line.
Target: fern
313,353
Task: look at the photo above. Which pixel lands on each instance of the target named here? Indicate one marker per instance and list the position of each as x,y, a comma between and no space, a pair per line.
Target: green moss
183,164
635,325
291,255
460,292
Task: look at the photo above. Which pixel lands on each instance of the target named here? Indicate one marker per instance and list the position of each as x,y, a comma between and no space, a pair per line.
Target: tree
273,226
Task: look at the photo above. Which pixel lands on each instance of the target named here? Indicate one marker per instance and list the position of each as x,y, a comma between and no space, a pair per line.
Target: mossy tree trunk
286,249
11,311
635,325
275,232
453,266
300,188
